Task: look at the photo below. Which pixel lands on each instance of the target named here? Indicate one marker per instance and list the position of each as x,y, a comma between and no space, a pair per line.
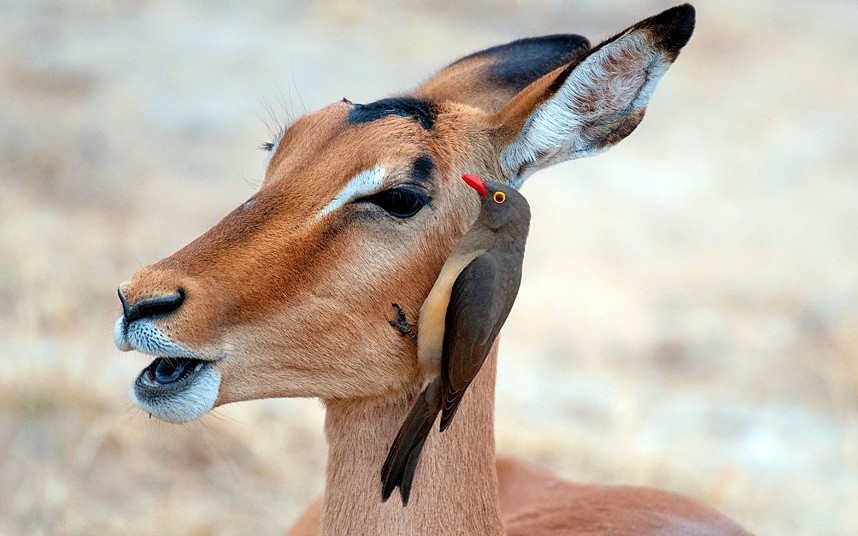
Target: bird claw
401,323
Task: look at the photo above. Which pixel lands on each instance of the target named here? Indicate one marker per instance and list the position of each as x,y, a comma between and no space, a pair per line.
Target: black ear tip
672,28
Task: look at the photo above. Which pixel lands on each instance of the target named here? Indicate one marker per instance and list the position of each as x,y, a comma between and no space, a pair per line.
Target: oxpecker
460,320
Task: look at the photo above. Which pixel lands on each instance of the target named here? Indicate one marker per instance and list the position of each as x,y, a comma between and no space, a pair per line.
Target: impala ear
590,104
490,78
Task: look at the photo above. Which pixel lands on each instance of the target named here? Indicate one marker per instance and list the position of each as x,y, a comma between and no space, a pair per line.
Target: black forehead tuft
421,169
421,110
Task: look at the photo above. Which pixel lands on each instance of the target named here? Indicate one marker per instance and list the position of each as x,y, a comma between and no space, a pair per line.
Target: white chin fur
183,405
119,338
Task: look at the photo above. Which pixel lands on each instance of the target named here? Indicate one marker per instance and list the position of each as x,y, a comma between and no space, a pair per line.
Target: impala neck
455,488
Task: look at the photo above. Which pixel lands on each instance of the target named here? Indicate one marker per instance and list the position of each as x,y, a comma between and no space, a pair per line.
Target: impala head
290,293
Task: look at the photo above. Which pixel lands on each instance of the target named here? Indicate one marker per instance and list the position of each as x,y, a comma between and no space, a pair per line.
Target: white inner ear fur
615,81
364,183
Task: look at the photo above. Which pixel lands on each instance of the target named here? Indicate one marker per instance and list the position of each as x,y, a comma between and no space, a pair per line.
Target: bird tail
404,454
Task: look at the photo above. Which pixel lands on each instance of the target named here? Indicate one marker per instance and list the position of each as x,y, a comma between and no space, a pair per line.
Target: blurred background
688,317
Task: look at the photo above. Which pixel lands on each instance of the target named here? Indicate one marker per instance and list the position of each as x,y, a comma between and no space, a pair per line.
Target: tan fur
291,304
450,497
526,495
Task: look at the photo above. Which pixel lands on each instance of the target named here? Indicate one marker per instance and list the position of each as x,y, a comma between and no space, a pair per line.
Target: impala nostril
154,306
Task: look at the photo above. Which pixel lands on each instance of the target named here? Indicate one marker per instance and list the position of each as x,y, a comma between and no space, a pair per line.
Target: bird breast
433,313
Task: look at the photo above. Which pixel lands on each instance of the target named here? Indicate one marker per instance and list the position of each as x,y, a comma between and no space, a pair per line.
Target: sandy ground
688,319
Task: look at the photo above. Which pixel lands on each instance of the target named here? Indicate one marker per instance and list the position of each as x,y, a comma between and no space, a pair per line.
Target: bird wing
401,462
480,302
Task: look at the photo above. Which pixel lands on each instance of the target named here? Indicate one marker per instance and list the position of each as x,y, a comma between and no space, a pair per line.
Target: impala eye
402,202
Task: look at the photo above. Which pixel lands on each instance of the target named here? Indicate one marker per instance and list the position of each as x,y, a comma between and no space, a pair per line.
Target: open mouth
169,370
177,389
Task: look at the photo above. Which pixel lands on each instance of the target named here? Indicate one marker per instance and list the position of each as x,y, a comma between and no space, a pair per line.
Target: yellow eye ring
499,197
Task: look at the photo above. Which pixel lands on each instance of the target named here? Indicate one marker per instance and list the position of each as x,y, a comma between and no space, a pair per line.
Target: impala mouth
168,370
177,389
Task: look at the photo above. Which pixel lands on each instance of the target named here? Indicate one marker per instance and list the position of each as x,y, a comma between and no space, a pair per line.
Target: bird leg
401,323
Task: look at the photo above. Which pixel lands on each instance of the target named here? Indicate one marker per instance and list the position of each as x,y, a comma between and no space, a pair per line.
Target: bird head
501,206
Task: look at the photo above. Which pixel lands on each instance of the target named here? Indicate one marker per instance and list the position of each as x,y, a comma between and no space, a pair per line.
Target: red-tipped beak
476,183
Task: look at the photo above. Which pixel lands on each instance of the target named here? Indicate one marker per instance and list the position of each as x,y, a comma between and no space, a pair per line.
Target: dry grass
688,318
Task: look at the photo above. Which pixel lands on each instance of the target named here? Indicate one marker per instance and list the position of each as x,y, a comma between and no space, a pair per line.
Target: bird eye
401,202
499,197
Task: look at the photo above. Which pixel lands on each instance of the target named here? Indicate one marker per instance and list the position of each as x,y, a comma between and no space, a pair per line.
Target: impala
289,295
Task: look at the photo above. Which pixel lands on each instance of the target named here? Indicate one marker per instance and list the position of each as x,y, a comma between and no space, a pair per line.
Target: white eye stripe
362,184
